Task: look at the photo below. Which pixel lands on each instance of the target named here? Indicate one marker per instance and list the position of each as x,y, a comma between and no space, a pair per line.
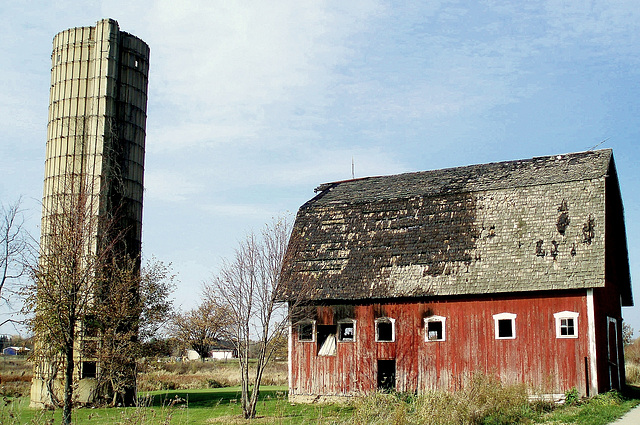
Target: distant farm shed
223,350
15,351
417,281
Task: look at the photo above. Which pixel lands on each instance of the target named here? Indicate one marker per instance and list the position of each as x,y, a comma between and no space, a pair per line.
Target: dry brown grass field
166,375
16,374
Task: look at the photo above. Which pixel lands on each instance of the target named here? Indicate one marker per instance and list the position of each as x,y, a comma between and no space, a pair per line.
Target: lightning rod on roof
593,147
353,169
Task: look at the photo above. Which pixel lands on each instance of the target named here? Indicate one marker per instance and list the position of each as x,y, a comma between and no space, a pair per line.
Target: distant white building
193,355
222,354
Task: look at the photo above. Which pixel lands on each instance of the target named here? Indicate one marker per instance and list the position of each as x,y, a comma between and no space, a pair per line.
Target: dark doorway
387,375
614,370
89,369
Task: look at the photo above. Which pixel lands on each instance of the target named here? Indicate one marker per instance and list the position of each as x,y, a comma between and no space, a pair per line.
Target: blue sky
254,104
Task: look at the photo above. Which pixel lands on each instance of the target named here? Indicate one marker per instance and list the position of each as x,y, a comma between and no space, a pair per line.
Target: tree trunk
68,385
260,364
248,410
253,402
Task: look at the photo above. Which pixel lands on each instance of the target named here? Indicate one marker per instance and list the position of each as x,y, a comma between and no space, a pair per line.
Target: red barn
417,281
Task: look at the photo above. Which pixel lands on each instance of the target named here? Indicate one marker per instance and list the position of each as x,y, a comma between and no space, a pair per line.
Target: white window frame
393,328
339,336
313,330
566,315
504,316
430,319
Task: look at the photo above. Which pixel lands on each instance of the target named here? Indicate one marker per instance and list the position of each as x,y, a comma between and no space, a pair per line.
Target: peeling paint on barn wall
535,356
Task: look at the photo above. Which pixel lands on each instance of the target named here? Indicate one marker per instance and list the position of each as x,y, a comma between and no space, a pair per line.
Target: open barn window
306,330
434,327
505,325
326,340
347,330
566,324
385,329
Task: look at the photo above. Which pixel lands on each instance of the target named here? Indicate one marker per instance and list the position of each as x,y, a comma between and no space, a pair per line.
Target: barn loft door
387,375
614,369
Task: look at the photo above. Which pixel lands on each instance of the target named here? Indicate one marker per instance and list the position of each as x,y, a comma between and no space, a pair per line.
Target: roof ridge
327,185
542,170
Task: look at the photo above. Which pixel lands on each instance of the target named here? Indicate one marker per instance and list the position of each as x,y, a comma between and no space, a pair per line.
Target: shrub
214,383
168,385
571,397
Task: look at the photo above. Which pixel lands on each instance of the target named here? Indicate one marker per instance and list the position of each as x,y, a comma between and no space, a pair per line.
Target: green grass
219,405
600,410
222,406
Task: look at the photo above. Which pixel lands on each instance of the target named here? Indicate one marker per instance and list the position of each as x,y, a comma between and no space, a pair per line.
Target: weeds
484,401
571,397
632,373
599,410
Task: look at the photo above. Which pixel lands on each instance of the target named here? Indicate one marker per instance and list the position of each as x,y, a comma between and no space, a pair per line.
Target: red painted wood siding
607,304
535,356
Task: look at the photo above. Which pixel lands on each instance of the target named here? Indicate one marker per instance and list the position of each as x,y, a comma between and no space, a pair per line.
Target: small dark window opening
305,331
89,370
386,375
384,331
326,340
346,332
567,327
505,328
434,330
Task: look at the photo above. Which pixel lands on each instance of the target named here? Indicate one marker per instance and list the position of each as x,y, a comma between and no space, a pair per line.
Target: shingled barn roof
472,178
499,227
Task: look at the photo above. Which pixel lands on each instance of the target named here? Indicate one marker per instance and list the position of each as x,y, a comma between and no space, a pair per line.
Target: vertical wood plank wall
536,356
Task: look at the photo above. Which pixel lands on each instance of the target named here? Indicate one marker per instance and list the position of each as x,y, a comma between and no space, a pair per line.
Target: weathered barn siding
535,356
610,365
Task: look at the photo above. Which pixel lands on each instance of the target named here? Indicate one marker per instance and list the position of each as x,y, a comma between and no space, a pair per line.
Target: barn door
387,375
614,369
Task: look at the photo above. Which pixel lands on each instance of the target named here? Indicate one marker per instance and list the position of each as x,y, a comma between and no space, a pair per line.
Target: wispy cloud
253,104
244,67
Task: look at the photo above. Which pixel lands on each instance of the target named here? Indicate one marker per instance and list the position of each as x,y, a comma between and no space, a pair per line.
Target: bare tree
62,295
200,327
248,286
14,248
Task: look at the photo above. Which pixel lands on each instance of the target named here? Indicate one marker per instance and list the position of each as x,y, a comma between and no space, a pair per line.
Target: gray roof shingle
468,230
472,178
